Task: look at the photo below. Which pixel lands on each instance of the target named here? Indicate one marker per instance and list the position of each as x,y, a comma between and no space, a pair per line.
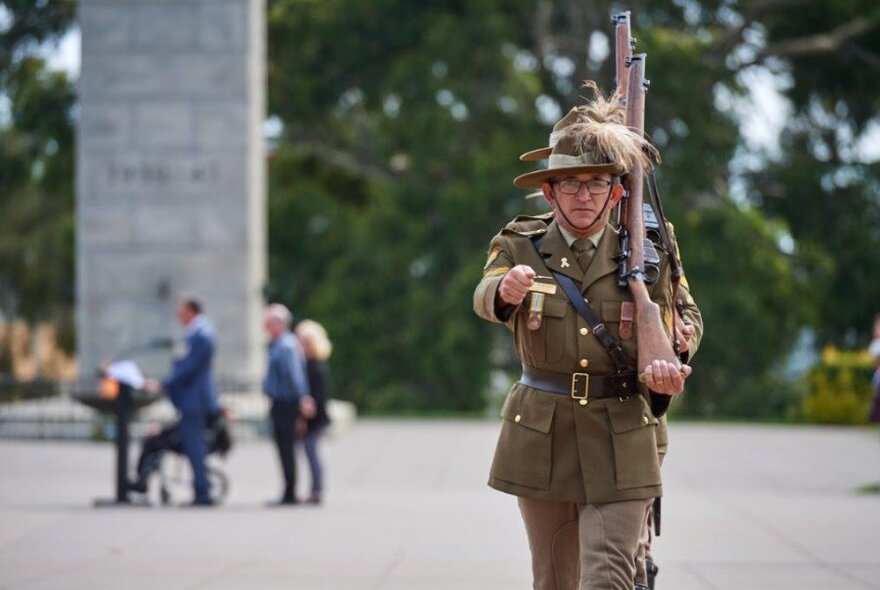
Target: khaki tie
584,251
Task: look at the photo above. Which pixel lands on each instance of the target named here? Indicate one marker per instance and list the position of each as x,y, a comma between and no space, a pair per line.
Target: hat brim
536,155
534,180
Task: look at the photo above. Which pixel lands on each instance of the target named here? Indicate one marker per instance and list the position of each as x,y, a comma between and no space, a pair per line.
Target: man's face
184,314
273,326
581,206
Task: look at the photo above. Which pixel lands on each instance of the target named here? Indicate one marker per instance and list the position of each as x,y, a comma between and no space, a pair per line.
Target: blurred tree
826,182
36,170
394,169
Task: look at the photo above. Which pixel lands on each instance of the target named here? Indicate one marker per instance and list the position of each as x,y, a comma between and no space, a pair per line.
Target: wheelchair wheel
175,479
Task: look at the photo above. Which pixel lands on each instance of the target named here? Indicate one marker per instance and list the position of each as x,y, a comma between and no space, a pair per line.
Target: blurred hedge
839,388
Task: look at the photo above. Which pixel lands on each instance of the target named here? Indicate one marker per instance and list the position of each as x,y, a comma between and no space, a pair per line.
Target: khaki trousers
646,540
583,546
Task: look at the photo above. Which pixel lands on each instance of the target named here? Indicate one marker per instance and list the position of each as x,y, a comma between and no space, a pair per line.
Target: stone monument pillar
170,176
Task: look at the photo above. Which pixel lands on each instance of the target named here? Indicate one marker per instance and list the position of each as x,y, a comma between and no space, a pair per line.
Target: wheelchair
162,458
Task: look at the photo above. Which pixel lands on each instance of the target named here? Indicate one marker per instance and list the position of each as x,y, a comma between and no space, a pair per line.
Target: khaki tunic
550,446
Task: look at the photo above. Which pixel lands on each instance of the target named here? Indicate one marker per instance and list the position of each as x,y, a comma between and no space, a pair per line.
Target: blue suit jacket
190,385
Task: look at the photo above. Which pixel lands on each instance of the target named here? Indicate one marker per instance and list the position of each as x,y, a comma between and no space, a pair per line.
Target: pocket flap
630,415
555,307
529,409
611,311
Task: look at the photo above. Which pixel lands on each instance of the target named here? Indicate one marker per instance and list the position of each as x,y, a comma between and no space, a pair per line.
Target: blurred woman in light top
317,348
874,351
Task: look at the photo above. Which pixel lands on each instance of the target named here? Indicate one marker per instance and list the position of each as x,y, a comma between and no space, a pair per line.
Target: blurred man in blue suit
192,391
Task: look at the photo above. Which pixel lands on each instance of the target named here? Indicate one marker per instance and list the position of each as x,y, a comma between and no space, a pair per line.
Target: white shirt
874,349
197,323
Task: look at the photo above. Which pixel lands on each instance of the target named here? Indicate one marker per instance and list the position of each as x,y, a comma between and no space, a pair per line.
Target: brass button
584,331
645,420
518,418
585,363
583,402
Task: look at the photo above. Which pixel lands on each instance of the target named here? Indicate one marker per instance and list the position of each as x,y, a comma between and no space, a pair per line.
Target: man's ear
548,195
616,193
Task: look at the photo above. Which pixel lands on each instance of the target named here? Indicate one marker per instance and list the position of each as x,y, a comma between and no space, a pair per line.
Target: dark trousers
284,414
192,440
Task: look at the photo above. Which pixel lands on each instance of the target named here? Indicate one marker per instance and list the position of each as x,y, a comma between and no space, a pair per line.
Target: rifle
623,48
624,43
653,342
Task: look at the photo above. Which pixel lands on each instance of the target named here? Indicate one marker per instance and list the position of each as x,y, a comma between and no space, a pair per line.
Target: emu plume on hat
590,138
611,110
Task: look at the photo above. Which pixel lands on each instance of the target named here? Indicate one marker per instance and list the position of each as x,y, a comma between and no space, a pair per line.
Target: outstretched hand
516,283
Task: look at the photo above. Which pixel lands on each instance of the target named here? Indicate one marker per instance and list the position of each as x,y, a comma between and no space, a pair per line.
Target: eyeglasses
571,186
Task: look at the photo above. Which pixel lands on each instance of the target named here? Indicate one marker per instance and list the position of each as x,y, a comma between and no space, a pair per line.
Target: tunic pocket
524,452
547,343
554,329
633,433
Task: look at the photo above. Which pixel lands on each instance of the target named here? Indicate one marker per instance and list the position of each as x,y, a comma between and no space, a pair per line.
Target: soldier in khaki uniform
579,442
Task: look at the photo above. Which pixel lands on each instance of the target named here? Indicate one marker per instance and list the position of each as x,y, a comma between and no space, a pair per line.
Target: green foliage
834,216
823,188
392,183
753,304
36,171
839,388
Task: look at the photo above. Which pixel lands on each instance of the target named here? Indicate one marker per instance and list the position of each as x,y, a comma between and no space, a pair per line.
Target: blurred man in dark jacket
288,388
191,389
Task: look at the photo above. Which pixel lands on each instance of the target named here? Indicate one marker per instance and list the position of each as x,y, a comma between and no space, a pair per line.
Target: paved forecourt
747,507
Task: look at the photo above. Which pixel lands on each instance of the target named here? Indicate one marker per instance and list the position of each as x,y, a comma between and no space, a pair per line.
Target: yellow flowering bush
839,388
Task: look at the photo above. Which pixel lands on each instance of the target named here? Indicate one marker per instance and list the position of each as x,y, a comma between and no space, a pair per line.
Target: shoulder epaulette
529,225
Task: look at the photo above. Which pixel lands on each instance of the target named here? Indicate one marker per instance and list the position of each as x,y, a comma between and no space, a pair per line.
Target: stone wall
170,175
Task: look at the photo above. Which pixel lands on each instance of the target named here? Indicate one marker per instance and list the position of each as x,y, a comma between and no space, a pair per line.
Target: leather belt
581,386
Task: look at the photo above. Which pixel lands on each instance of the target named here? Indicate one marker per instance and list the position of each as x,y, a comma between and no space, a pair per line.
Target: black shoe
314,499
201,503
284,501
138,486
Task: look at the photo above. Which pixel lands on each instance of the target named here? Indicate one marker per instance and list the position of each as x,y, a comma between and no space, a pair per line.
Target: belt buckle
580,382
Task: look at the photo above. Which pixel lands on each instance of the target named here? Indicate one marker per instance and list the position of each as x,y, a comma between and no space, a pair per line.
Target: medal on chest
536,310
